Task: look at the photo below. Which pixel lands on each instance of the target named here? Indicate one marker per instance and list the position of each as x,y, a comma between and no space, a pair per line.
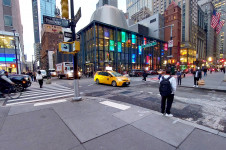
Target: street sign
78,15
153,43
77,36
64,47
68,34
69,47
56,21
170,56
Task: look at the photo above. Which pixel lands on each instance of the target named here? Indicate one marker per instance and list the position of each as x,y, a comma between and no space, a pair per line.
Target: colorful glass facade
103,45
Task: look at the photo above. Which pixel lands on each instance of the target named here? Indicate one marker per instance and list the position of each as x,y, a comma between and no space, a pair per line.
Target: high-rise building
172,15
220,6
201,36
107,2
159,6
134,6
212,49
10,19
41,8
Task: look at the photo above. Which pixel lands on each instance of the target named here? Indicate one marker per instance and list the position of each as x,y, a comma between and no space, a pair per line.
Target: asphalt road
204,107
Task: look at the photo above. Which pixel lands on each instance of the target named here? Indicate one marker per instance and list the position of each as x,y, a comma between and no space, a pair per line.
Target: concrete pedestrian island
90,125
214,81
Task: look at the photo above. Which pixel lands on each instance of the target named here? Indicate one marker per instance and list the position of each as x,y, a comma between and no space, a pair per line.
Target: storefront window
101,32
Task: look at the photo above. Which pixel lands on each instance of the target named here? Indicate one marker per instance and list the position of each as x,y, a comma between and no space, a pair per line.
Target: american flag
219,26
215,19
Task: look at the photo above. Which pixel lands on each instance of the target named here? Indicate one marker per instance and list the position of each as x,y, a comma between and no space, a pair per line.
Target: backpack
165,88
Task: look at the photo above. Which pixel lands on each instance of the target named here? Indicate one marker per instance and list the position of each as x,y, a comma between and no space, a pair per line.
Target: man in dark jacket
197,75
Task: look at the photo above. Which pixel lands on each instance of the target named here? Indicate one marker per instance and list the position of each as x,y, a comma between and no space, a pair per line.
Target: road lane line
39,93
51,102
115,105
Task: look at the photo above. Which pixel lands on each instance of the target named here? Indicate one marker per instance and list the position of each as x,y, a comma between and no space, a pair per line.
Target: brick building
49,42
172,15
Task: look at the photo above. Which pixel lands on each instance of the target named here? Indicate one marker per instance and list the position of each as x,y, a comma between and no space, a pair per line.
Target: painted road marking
24,102
51,102
115,105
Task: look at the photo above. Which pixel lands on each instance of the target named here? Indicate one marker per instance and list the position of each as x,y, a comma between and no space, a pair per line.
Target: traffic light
64,9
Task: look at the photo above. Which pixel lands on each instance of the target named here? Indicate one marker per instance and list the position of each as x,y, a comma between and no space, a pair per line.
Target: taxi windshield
116,74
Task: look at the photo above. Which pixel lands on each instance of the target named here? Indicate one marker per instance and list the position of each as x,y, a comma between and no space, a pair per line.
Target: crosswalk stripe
39,96
44,91
35,94
10,104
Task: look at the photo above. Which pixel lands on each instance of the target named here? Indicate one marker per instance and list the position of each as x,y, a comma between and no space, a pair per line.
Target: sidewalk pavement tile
69,110
80,147
23,109
36,131
4,111
164,128
87,126
201,140
127,138
133,114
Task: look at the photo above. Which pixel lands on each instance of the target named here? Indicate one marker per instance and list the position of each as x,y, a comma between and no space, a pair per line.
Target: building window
8,20
7,2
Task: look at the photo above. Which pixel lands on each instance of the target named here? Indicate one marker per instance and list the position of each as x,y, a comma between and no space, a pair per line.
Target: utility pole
17,71
76,78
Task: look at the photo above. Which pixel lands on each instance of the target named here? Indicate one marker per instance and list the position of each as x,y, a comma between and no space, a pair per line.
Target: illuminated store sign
123,37
133,58
133,39
140,50
119,47
7,57
112,45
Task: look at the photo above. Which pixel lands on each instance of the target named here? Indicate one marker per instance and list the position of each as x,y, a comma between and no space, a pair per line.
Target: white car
44,74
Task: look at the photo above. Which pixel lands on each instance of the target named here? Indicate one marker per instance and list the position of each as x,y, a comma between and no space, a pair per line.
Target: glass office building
104,45
48,8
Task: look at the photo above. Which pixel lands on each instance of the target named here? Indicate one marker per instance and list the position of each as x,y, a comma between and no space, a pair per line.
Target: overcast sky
87,7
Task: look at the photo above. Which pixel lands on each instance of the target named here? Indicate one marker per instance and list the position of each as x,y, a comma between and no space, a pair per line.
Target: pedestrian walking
144,75
39,78
197,76
179,76
205,71
34,75
167,90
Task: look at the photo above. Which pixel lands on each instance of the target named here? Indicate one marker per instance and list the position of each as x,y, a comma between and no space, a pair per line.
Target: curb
207,89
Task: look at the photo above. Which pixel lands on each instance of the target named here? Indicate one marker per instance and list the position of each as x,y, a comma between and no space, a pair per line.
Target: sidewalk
213,81
99,124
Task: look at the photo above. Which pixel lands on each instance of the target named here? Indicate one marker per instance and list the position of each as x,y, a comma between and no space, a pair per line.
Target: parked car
152,72
24,81
136,73
112,78
53,72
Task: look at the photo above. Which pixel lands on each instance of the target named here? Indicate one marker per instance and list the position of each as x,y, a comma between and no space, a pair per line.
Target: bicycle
13,91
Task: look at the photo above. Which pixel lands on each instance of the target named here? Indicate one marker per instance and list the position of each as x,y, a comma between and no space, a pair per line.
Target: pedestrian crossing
48,92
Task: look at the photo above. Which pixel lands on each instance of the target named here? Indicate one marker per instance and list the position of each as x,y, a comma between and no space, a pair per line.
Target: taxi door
109,78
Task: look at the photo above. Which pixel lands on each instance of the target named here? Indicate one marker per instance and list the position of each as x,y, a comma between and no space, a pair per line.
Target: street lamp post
17,71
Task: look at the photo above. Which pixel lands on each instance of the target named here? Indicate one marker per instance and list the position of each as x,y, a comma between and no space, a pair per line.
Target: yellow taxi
112,78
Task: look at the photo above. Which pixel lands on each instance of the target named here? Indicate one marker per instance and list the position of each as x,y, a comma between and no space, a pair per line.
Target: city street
201,106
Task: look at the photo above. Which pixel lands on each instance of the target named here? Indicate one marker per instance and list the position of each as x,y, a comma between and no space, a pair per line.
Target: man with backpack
167,89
